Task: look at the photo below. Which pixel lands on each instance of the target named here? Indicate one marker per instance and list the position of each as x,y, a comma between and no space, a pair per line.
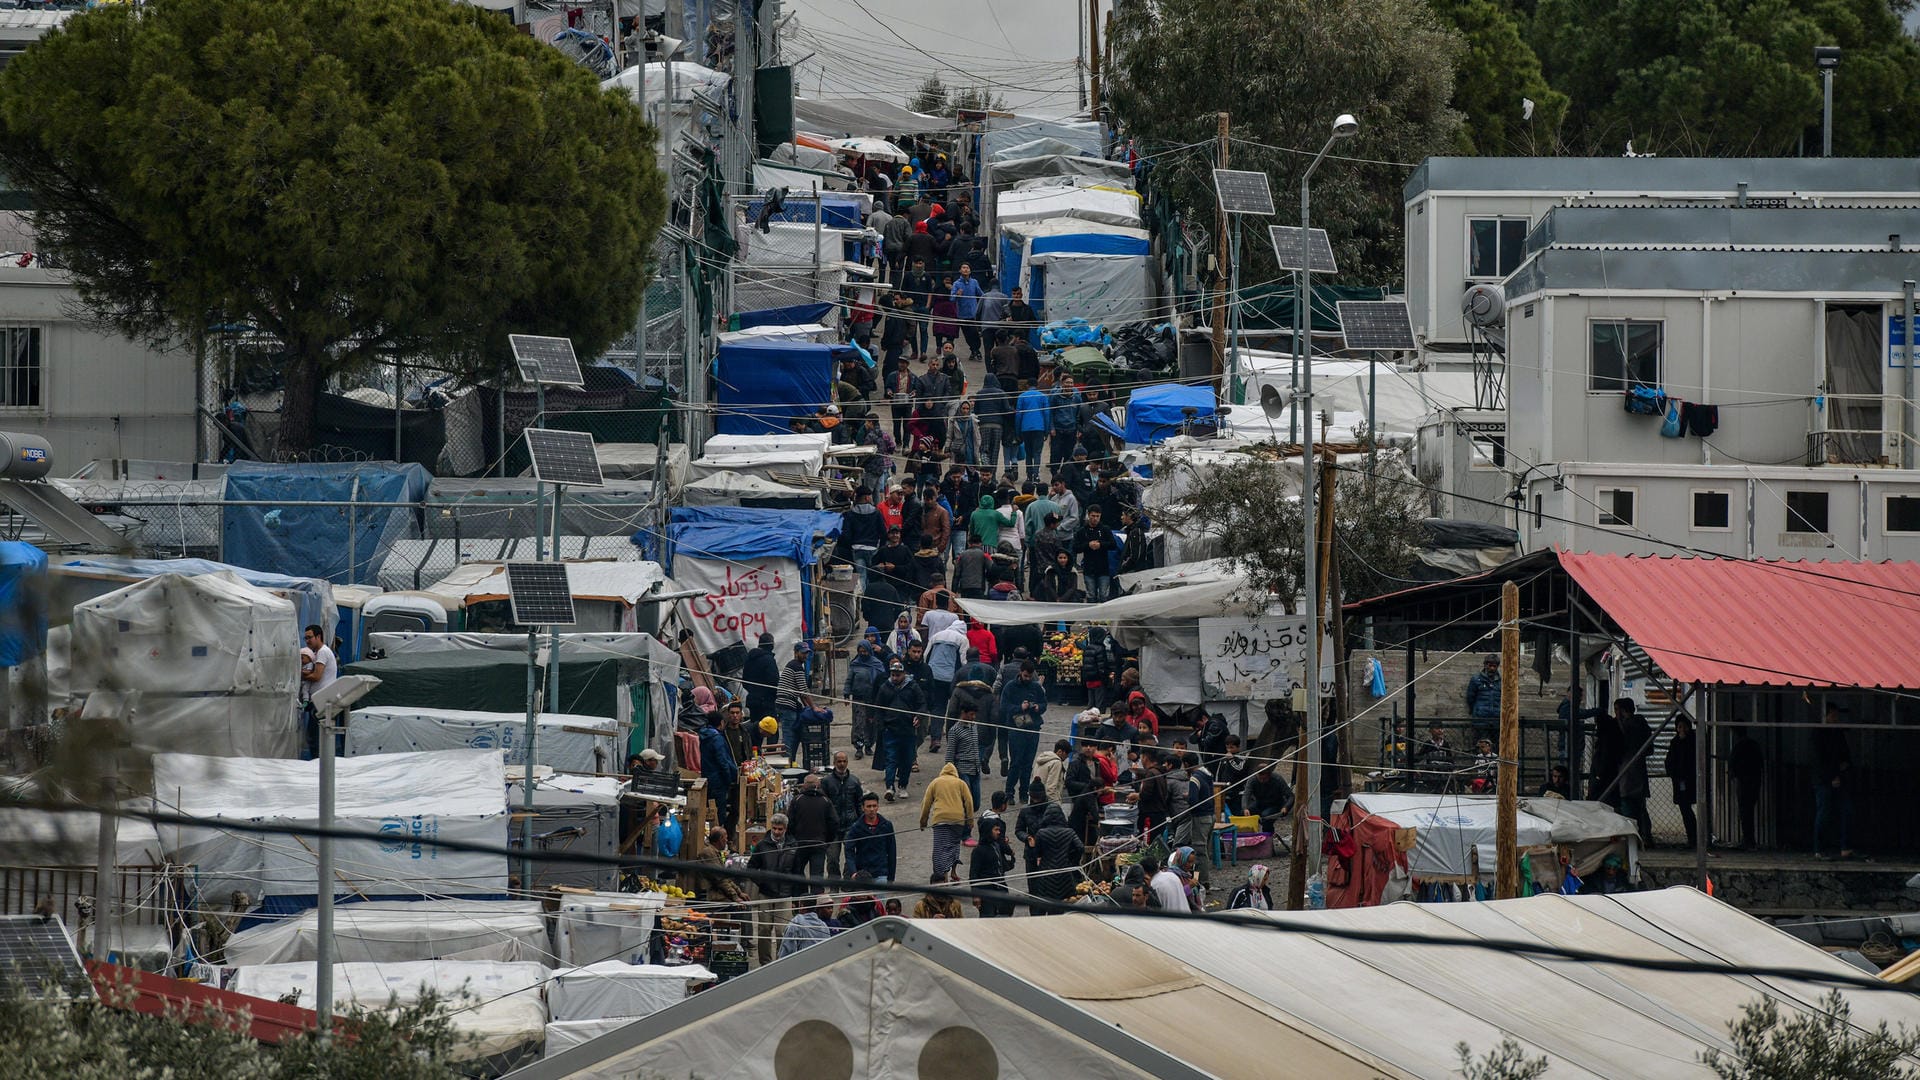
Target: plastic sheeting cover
1155,412
612,989
761,386
448,795
587,744
1449,828
332,542
312,598
605,926
496,1004
215,662
23,602
385,931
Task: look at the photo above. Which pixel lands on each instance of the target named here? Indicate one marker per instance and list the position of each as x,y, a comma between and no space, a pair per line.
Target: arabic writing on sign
736,605
1252,659
740,600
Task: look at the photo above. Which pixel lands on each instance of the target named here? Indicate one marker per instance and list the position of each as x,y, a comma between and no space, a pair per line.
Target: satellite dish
1273,402
1484,305
773,202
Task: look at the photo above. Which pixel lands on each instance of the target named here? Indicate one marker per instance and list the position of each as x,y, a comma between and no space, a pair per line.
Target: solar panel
539,594
1376,324
1243,192
546,360
1314,254
38,959
564,457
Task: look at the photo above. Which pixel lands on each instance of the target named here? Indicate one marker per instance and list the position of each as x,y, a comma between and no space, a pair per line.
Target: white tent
1340,387
497,1005
612,989
568,742
600,926
214,662
1058,199
385,931
1113,996
448,795
741,489
782,442
763,464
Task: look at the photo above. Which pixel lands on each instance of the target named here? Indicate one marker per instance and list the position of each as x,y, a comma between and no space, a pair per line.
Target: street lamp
1344,127
330,704
1826,58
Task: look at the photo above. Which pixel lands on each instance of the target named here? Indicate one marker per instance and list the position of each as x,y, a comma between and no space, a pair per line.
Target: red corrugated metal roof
156,995
1764,622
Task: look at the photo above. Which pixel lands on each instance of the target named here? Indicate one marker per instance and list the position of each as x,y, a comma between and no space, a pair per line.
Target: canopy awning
1764,622
842,117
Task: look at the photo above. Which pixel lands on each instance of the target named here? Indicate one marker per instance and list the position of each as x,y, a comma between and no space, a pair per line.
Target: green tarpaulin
487,681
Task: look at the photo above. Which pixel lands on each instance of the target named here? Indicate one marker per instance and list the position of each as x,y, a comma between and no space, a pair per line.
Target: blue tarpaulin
793,315
23,602
762,385
1092,244
841,211
1155,413
741,532
336,543
310,596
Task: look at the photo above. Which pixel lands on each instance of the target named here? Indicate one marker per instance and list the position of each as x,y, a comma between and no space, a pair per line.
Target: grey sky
1023,50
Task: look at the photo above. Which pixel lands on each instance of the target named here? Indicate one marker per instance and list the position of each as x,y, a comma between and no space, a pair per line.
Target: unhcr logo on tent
405,834
393,835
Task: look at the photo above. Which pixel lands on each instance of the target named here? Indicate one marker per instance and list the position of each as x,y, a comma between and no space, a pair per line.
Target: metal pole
1912,410
817,283
1304,396
613,11
353,528
323,886
526,786
1826,112
105,880
1702,800
539,489
1234,392
1301,286
553,632
396,408
640,319
1373,422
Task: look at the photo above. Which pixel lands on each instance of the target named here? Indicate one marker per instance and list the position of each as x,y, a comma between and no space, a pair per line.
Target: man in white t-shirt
318,666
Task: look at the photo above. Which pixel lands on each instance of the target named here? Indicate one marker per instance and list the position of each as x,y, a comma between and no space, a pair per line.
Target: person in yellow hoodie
948,805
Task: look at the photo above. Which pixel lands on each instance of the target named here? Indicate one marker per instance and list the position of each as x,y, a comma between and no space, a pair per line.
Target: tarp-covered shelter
1157,412
78,580
1018,238
1185,999
746,489
1002,174
1452,838
393,931
1002,132
341,543
581,744
745,562
1038,200
494,1004
1102,277
480,680
455,795
206,661
760,386
23,602
847,116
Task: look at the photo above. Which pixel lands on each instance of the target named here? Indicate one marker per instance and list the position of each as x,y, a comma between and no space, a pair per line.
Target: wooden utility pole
1506,882
1330,559
1093,55
1220,253
1303,802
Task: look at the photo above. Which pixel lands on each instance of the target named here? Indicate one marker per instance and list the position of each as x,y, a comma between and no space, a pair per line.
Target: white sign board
740,600
1257,659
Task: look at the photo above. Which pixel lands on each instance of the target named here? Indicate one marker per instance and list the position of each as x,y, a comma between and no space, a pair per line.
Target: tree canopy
1283,69
359,179
1729,77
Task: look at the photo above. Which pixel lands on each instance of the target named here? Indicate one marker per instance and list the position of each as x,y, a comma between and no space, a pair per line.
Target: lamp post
1826,58
1344,126
330,706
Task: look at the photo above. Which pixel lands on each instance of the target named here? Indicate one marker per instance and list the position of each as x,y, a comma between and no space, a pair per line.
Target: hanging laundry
1673,427
1646,401
1700,420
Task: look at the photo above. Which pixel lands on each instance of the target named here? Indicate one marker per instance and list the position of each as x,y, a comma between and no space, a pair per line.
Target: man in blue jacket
1023,708
1064,420
966,304
869,847
719,768
1031,416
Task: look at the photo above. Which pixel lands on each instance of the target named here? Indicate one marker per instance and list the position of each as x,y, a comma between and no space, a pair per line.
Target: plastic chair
1227,833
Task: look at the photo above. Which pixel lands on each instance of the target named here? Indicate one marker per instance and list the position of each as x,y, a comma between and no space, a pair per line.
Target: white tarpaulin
1249,658
567,1034
1453,833
613,989
784,442
739,599
1102,289
567,742
793,243
1113,205
448,794
382,931
1185,602
44,838
1340,387
495,1004
215,663
763,465
733,489
605,926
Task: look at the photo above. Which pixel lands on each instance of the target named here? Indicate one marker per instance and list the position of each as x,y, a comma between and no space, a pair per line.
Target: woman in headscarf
902,635
697,708
988,867
1060,853
1254,894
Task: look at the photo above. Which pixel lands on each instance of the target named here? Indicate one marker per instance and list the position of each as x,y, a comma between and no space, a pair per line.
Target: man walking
791,696
775,853
896,703
1093,543
948,806
1031,417
762,678
814,826
1023,708
846,793
963,746
1064,420
966,303
871,852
